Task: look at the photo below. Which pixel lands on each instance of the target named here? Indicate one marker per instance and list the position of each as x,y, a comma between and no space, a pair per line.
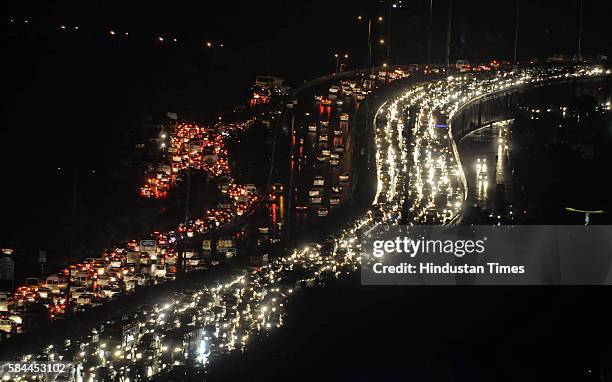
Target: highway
485,153
420,179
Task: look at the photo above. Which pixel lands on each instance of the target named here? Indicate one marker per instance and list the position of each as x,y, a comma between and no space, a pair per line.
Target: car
481,167
558,58
301,208
323,138
318,181
56,283
334,162
333,89
321,158
316,200
103,280
337,132
84,299
344,117
344,177
142,279
336,188
322,211
130,276
278,188
32,282
339,102
7,326
5,302
334,201
79,291
462,65
318,97
339,149
312,127
145,259
109,291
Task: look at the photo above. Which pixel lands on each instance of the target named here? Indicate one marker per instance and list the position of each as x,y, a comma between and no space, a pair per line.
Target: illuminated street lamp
580,17
337,56
429,30
516,30
213,45
379,18
586,213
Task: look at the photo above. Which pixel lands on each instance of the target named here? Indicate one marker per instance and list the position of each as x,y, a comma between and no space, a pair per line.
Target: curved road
419,179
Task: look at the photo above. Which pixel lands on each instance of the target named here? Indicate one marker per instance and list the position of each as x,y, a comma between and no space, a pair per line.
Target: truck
206,245
258,261
462,65
120,333
226,246
149,246
5,302
132,257
165,168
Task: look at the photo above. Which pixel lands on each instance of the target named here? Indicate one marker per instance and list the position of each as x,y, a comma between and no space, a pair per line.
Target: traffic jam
190,146
321,163
322,144
415,161
155,258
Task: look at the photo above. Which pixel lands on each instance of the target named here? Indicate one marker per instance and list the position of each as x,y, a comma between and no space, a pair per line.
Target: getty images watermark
487,255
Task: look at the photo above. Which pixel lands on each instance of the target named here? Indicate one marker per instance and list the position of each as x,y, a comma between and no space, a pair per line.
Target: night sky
72,96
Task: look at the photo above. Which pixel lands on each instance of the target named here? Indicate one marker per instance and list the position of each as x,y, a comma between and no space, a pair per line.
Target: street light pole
369,45
345,63
516,31
188,184
448,32
587,213
337,61
389,32
580,30
429,30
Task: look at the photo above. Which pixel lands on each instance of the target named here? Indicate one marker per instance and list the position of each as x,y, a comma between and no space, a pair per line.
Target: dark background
74,99
68,88
71,99
348,332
